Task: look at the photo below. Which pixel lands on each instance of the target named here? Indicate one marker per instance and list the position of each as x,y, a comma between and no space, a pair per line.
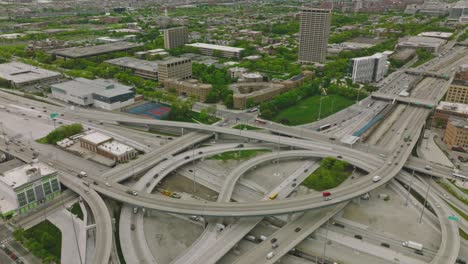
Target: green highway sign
454,218
53,115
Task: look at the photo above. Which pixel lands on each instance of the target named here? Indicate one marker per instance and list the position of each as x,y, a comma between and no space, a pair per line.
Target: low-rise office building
456,133
189,87
430,44
99,93
446,110
258,92
458,89
218,50
175,68
108,147
143,68
26,187
92,51
18,74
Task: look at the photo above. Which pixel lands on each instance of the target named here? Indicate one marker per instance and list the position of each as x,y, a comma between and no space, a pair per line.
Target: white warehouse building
101,93
369,69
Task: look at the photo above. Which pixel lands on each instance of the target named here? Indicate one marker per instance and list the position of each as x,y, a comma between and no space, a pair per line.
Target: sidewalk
431,151
68,225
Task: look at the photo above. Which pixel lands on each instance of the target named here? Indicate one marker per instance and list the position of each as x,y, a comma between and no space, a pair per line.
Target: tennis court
152,110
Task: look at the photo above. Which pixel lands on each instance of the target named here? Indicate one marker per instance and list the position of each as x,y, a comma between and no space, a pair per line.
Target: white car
376,178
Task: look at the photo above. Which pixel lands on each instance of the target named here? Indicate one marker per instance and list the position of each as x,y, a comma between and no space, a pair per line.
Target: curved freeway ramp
450,245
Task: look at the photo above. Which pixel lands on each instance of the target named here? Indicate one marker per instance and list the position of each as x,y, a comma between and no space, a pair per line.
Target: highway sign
454,218
53,115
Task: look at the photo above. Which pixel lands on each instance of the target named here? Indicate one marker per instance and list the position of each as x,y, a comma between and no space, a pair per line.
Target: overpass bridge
406,100
427,74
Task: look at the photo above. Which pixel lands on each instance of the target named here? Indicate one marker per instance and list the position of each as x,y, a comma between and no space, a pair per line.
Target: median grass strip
462,214
330,174
246,127
44,240
239,154
76,210
448,187
307,110
463,234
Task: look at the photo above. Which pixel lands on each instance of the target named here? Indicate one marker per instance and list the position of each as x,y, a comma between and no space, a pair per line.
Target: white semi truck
413,245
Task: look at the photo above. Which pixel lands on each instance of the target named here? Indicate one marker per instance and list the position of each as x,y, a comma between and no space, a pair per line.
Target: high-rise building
314,31
369,69
175,37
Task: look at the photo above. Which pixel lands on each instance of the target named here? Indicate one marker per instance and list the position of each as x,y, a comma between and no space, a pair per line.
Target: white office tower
314,32
369,69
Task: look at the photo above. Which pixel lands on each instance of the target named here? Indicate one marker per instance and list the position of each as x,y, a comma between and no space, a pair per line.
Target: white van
270,255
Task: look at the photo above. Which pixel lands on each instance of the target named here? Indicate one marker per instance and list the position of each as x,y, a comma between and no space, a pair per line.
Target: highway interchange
388,141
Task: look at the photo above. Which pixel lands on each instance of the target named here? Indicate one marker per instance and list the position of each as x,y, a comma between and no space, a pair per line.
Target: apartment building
189,87
369,69
313,35
175,37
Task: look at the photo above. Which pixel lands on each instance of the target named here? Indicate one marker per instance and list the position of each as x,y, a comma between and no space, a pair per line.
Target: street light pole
425,199
409,189
320,109
325,244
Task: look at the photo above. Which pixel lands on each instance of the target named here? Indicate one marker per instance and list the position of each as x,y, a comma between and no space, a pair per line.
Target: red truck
326,195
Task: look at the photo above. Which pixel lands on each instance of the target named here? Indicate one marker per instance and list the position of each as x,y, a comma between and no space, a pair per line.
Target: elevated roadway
95,202
450,243
289,236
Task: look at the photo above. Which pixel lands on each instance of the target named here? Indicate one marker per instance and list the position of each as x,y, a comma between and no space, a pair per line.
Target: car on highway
132,192
326,195
376,178
270,255
108,184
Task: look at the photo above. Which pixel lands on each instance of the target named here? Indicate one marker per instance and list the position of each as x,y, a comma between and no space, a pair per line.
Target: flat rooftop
442,35
22,175
82,52
150,66
96,138
421,41
19,73
453,107
116,148
83,87
215,47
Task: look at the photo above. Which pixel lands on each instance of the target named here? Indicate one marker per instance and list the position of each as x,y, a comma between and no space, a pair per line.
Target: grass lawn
246,127
195,117
463,234
76,210
330,174
307,110
449,188
462,214
239,155
44,240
